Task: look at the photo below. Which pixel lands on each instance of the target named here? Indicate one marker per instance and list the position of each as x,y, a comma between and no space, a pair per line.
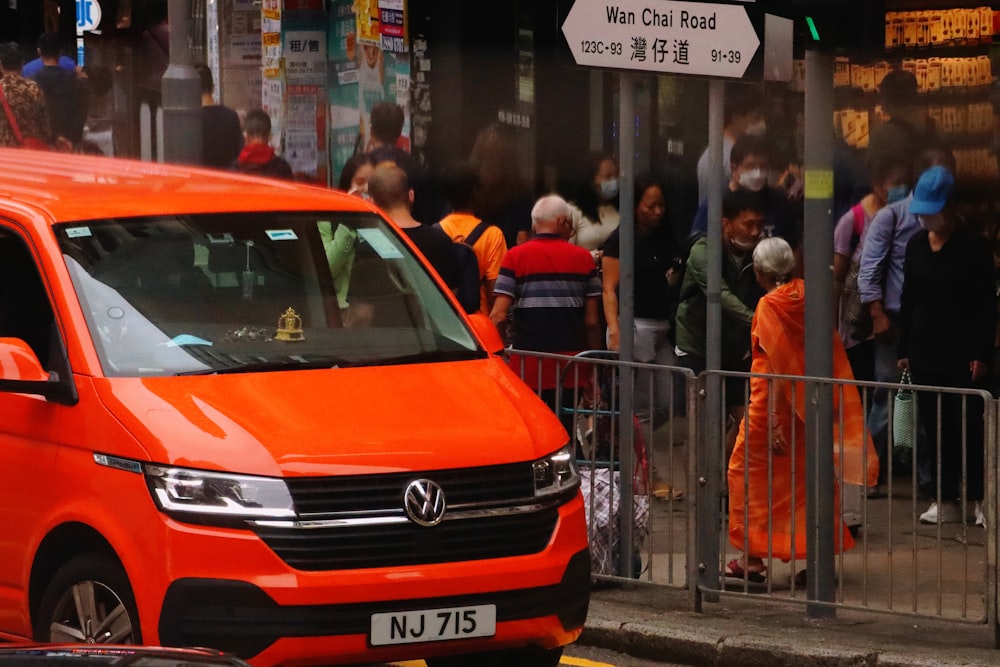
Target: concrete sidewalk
657,623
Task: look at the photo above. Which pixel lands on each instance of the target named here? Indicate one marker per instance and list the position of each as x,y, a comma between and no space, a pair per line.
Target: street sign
88,15
694,38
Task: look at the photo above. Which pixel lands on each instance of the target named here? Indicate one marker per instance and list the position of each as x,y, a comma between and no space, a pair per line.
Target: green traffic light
812,28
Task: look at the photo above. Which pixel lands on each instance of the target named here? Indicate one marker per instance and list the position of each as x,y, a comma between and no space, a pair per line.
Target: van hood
337,421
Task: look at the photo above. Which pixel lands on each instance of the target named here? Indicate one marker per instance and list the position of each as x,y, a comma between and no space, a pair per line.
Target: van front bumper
242,619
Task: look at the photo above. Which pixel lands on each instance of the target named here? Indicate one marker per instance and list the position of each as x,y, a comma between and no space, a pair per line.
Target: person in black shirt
222,135
947,327
65,94
390,190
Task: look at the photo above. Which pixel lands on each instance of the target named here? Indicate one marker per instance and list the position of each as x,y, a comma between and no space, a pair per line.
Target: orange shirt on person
490,248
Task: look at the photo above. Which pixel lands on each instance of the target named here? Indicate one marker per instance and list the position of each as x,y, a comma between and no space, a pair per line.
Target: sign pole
818,244
626,314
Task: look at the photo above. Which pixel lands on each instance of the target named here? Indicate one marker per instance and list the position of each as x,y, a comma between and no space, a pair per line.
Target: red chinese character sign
693,38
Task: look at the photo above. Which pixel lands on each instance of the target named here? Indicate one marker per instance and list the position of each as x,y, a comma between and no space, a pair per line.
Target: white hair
549,208
773,257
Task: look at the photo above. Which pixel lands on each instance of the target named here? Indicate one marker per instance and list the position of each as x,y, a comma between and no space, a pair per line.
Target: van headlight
219,494
556,473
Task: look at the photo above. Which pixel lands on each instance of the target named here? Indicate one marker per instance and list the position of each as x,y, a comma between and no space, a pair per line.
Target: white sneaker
948,512
980,517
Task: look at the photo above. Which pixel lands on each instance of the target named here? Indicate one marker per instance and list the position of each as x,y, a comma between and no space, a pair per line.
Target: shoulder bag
25,142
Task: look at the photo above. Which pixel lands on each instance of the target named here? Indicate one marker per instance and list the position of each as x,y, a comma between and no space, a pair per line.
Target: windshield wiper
274,365
426,357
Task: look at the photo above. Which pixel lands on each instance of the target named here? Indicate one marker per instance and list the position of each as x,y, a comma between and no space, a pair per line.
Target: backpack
855,314
468,290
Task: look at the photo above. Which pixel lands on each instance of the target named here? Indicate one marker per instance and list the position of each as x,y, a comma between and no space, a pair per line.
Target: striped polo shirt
549,280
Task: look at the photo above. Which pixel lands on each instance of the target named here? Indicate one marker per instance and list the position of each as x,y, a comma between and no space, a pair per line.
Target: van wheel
523,657
88,600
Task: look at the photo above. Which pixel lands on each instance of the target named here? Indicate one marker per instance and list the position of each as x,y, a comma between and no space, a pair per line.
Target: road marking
582,662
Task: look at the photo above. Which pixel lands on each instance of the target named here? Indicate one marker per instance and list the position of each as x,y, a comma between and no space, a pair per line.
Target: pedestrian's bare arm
500,312
592,322
611,268
490,296
881,324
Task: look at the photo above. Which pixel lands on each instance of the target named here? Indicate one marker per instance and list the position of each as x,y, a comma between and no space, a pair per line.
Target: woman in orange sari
767,469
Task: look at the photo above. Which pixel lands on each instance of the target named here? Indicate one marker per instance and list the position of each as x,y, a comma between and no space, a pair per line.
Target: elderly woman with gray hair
767,473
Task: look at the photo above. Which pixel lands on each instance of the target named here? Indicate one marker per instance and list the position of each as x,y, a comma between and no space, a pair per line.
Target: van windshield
255,292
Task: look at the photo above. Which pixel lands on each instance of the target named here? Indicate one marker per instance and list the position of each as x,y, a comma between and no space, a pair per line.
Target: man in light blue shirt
880,285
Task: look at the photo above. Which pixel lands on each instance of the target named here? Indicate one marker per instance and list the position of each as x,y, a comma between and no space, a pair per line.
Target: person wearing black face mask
947,327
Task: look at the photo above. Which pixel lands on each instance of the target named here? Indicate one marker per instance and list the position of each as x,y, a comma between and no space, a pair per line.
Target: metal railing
898,564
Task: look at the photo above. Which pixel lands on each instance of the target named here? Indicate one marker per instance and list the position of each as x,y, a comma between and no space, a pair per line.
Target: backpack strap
859,219
476,232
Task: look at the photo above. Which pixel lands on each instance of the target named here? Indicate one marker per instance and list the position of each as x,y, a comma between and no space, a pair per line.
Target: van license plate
434,625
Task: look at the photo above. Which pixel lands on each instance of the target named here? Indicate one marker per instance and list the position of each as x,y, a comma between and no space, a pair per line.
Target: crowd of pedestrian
915,285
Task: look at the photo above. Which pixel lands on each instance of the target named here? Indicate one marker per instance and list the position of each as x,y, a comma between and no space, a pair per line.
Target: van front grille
358,521
325,496
409,544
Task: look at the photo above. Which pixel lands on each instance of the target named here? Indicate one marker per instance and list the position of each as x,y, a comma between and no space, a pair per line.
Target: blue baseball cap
933,190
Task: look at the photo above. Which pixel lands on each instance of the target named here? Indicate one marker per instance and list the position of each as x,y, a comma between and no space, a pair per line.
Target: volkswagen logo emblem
424,502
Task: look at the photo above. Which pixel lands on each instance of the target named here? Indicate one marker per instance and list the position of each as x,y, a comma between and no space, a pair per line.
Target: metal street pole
181,93
819,141
710,460
626,315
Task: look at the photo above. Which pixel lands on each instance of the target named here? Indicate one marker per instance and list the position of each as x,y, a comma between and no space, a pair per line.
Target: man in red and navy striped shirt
555,288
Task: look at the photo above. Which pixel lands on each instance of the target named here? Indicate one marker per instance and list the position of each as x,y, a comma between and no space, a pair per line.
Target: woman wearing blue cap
947,322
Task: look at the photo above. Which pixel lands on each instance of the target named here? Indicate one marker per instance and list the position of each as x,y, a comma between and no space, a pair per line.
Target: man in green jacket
742,227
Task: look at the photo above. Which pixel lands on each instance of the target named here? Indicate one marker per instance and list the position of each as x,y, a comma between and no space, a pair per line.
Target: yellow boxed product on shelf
862,125
856,75
881,69
868,79
985,25
958,21
947,25
933,75
909,30
947,70
936,27
923,28
972,25
984,70
842,72
893,30
921,73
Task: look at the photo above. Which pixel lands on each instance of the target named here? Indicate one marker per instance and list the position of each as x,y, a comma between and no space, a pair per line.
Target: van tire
523,657
102,584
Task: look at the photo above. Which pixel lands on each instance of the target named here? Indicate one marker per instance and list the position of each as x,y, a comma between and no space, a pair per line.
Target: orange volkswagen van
245,414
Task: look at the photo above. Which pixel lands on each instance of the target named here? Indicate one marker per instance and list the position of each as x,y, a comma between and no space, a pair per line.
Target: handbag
26,142
904,414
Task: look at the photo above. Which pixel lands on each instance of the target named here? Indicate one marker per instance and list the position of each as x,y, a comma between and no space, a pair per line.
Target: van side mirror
487,333
22,373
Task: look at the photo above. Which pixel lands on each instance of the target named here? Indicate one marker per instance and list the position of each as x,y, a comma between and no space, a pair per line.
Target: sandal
667,492
734,569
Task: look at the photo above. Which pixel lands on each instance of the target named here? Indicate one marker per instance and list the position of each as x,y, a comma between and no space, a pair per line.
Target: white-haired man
555,288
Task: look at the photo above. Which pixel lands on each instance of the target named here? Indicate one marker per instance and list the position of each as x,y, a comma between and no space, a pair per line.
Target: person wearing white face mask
742,228
947,326
744,115
594,207
750,169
